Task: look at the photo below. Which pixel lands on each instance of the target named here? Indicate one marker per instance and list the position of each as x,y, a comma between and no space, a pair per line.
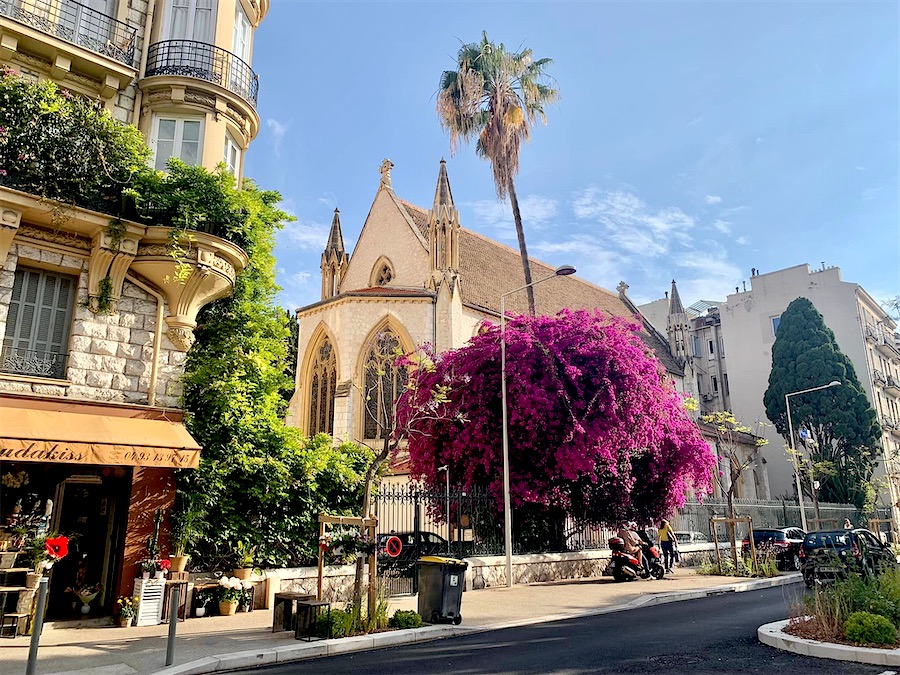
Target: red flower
57,548
163,565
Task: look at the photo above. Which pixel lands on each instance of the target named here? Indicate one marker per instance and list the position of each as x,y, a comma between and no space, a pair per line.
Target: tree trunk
372,472
729,496
523,250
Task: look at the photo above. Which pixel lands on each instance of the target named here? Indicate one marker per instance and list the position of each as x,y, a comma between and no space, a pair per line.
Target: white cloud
722,226
708,273
303,235
735,209
278,130
537,213
742,241
586,252
633,225
713,199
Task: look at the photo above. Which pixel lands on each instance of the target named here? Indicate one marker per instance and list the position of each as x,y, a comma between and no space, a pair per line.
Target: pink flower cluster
593,425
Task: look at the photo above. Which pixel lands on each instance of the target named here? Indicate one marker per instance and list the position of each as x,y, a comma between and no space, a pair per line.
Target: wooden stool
308,612
285,603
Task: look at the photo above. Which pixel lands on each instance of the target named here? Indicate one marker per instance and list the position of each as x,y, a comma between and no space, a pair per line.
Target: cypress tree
845,436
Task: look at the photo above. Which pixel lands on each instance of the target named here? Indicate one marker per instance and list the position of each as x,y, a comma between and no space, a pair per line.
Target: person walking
668,541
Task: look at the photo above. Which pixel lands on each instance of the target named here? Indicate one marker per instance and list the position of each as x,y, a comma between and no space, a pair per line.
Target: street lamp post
787,403
446,469
562,271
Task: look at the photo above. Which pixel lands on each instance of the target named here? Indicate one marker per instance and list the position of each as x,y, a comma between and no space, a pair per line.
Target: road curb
773,635
295,652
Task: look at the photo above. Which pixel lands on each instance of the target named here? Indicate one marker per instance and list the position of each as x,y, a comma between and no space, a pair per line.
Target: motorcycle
625,567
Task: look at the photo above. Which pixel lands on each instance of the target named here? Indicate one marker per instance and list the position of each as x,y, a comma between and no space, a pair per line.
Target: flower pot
160,575
145,575
242,573
200,611
32,580
227,608
125,621
179,562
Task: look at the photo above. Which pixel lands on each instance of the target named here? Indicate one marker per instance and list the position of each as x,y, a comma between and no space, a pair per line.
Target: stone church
417,276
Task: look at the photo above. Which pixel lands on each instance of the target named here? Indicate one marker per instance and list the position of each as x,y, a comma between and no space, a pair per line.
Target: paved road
713,635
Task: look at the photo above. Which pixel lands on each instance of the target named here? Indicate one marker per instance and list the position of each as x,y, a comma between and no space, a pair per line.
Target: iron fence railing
203,61
76,23
33,363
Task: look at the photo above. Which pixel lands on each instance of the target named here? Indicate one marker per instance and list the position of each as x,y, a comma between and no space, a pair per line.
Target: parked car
429,543
692,538
785,542
834,554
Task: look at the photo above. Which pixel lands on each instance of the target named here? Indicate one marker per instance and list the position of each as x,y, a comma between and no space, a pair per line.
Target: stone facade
109,354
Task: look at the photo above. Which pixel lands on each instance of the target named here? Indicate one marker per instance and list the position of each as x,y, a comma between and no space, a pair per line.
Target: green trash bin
441,583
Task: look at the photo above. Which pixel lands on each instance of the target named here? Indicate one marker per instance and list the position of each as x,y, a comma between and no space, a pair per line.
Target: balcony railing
204,62
76,23
32,363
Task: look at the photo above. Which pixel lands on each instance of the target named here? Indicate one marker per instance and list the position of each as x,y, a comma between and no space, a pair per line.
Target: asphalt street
713,635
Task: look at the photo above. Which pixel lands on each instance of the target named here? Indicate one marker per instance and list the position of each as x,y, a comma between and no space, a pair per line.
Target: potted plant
246,604
86,595
244,554
148,567
43,551
187,525
126,610
161,566
201,600
229,593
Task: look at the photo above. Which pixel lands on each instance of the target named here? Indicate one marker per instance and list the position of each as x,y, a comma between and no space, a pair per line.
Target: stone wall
110,355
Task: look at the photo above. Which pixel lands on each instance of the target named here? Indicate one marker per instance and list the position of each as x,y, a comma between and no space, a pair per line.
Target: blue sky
693,140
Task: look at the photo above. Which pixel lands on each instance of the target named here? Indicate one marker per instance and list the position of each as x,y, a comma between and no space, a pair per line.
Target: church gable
388,234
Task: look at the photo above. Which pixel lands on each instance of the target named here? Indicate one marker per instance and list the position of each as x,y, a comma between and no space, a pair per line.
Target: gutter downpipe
157,335
139,95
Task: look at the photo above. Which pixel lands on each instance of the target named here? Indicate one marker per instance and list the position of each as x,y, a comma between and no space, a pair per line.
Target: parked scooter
625,567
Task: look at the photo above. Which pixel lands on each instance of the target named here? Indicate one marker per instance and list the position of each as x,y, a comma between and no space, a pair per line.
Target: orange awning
28,435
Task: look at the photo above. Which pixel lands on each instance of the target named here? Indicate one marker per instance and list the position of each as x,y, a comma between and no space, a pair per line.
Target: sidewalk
131,651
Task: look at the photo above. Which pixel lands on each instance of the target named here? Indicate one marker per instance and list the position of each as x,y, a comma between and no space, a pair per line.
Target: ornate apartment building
90,426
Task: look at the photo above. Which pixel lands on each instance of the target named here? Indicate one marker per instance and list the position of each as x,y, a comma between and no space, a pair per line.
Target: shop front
95,473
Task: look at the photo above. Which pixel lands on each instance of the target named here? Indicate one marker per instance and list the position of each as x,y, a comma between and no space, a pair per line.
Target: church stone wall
386,233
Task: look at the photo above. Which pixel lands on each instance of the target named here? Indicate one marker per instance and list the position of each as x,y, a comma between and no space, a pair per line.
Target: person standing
667,541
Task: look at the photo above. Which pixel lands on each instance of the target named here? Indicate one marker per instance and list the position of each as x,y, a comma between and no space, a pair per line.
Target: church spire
443,232
334,259
675,306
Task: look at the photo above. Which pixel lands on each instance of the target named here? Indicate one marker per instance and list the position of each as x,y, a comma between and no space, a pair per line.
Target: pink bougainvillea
593,426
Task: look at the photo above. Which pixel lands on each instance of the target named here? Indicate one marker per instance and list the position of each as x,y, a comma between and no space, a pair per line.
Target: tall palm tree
497,96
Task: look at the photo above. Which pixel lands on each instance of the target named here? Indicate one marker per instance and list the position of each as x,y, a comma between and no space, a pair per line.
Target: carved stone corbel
109,259
10,219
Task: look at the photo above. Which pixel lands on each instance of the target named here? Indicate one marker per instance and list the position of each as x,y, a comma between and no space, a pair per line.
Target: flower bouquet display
126,610
162,566
86,595
229,593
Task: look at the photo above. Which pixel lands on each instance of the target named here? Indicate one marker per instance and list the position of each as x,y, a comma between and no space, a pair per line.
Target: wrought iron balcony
204,62
32,363
76,23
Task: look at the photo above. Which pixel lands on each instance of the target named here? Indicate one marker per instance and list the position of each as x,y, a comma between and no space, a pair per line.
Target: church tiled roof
489,268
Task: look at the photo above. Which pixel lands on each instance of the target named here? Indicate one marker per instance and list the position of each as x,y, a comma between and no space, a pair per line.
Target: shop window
179,137
323,381
383,386
37,326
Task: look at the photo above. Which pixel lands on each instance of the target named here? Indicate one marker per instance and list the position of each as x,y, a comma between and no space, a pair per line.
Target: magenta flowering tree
594,429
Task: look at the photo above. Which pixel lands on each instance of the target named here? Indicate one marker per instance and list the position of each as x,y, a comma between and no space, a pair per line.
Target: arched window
384,383
385,275
323,381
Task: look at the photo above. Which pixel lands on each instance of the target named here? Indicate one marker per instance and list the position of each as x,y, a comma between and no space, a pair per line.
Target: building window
385,275
240,45
232,154
725,384
192,20
323,382
715,384
179,137
711,345
695,346
721,346
383,385
37,325
776,321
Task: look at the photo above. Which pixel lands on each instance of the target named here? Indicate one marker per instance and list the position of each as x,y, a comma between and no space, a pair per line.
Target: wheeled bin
441,583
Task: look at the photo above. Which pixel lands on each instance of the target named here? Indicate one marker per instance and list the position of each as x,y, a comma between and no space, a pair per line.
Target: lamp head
564,270
834,383
443,468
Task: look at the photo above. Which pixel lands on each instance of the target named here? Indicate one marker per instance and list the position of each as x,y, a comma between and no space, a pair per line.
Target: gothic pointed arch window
382,273
322,383
384,382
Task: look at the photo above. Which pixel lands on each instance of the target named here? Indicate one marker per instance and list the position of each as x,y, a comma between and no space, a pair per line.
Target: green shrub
405,619
866,628
338,621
